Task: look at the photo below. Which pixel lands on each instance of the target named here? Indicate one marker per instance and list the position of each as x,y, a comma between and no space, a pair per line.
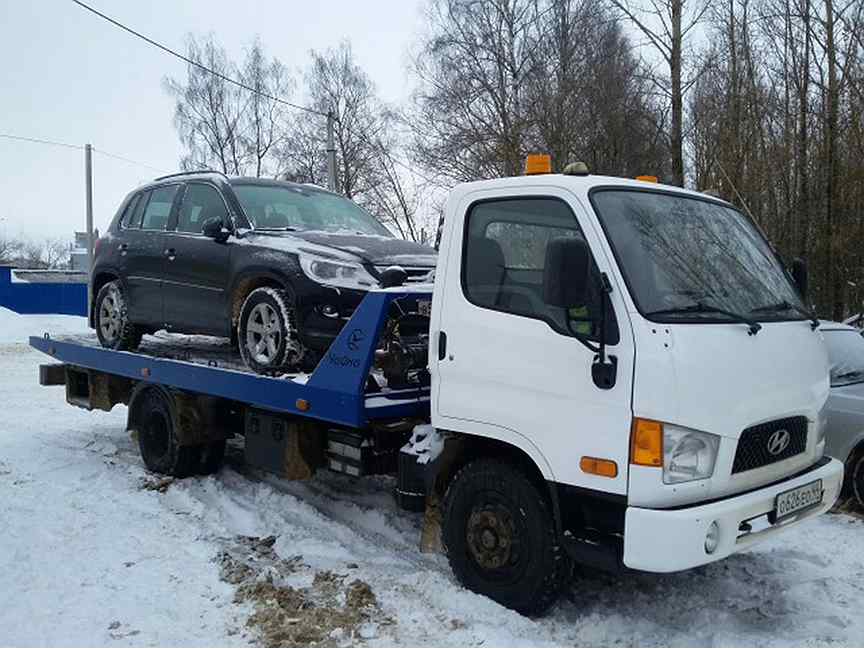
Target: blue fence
66,298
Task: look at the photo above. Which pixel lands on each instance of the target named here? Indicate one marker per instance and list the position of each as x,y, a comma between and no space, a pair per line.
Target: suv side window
504,258
158,209
129,211
201,202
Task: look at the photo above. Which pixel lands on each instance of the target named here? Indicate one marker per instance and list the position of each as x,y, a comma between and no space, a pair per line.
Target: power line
129,160
36,140
78,147
201,66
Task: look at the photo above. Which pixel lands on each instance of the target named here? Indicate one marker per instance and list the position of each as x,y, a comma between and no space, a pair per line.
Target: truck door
515,367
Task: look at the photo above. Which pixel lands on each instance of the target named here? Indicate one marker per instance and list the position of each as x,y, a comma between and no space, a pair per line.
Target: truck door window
505,256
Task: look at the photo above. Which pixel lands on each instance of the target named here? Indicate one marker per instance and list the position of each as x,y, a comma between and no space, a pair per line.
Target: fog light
712,538
329,311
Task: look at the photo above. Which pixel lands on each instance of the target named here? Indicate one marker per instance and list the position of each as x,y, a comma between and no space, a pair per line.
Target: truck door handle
442,345
171,253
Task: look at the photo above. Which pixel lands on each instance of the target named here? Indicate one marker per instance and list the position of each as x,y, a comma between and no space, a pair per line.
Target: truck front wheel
500,537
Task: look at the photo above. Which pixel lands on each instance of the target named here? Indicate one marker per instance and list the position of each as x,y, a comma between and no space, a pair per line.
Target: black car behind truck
278,267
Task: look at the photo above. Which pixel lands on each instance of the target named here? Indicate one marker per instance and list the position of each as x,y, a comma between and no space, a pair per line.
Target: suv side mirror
565,277
799,275
213,228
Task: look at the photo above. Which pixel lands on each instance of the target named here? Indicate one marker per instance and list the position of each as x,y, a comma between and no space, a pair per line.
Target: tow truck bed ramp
336,391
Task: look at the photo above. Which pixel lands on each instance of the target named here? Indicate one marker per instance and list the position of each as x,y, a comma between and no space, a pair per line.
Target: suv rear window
127,213
158,209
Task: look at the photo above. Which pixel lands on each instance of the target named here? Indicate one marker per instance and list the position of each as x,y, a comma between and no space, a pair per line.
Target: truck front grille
767,443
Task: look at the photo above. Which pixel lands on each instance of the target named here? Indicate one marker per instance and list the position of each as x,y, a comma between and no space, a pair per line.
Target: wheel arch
248,281
463,448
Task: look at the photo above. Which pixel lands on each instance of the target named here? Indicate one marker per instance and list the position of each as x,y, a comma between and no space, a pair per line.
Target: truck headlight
341,274
688,455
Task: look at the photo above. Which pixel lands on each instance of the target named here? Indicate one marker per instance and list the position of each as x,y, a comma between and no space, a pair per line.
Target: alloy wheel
263,333
110,313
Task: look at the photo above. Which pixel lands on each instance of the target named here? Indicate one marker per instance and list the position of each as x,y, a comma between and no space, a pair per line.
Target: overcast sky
69,76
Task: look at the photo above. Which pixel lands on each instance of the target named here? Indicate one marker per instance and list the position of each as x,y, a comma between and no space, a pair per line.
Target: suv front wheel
266,334
111,317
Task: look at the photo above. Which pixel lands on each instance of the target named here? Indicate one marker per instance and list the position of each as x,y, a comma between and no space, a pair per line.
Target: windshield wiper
277,229
785,305
702,307
848,375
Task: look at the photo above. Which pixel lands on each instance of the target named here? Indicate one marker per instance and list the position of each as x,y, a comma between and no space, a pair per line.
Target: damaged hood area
368,248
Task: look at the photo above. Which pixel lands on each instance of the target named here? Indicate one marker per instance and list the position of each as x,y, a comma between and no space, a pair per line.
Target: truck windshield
686,259
304,208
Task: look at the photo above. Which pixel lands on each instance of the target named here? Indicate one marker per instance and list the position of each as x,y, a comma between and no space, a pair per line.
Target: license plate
424,307
796,500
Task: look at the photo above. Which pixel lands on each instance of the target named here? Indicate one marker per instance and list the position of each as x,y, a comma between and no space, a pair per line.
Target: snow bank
15,328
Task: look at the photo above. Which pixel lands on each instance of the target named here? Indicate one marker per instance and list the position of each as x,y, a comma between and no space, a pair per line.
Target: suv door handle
123,247
171,253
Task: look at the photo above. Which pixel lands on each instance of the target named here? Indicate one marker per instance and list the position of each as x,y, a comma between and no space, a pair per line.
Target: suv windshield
304,208
846,356
689,259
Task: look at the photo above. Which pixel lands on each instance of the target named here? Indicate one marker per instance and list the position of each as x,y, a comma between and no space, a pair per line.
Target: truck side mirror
565,277
799,275
213,228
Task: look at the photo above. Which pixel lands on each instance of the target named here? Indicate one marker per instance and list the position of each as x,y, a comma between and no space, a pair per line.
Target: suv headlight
341,274
688,455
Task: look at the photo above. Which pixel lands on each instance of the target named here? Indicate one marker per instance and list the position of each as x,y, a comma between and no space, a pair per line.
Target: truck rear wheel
152,417
500,537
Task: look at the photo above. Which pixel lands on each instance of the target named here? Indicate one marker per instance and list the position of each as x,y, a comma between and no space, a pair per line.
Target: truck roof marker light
601,467
647,178
646,443
538,163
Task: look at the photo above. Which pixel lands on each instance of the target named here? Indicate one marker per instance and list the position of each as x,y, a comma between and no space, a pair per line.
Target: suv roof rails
183,173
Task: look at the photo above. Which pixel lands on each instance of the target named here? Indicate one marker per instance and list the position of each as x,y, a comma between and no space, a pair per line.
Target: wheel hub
490,537
263,333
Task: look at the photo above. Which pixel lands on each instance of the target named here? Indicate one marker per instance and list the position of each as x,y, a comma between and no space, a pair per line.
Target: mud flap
430,534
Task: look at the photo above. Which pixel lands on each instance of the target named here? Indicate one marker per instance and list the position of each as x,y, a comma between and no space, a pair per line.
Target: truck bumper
674,539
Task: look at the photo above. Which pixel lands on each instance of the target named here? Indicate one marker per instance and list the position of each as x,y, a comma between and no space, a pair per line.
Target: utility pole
331,151
88,203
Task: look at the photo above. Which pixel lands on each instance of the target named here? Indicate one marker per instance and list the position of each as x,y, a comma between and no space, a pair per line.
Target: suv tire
500,537
266,333
111,318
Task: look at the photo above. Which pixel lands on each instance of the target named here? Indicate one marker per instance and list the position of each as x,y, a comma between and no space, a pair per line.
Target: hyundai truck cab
649,357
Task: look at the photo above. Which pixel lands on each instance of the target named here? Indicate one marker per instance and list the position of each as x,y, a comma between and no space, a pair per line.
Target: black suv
278,267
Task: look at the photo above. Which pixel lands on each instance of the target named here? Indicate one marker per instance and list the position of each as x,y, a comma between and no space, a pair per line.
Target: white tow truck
613,373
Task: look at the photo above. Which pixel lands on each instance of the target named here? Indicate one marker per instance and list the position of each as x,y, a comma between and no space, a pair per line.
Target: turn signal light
647,178
537,163
303,405
646,443
602,467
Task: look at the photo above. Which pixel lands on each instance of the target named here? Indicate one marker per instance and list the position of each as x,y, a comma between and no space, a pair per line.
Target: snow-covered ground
95,551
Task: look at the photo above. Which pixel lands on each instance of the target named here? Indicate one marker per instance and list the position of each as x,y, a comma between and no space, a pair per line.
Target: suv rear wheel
855,475
267,337
111,317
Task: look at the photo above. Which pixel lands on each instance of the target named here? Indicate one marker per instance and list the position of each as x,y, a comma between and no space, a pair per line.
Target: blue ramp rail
335,392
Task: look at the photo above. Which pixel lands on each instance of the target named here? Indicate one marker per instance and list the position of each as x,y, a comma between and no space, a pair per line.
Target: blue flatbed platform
336,391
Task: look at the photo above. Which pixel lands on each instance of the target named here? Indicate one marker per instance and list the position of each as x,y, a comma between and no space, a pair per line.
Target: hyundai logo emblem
778,441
